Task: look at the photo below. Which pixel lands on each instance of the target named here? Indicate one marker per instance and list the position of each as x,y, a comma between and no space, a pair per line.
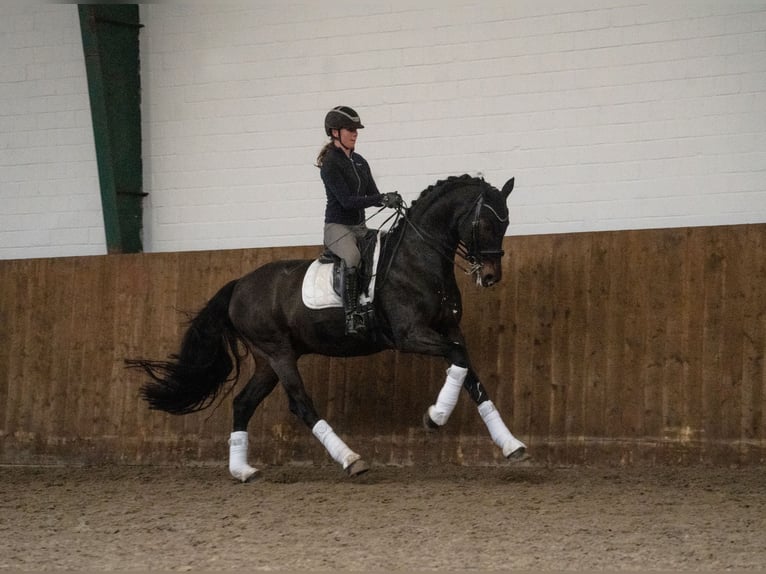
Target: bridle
470,254
475,257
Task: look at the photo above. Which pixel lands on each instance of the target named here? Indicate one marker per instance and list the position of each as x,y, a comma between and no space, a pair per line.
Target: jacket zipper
358,179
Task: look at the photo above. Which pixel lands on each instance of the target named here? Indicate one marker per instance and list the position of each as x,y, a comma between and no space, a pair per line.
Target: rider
350,188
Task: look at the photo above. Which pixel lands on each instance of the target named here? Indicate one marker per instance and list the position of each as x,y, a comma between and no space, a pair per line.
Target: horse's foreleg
453,349
302,406
439,412
258,388
513,449
460,374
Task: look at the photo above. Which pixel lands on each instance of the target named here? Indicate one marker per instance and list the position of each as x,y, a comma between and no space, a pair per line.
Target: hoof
357,467
248,474
518,455
429,424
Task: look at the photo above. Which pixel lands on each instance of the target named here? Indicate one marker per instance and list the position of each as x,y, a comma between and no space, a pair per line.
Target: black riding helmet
341,117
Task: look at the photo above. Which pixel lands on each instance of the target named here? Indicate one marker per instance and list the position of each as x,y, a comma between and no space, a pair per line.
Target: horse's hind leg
302,406
257,388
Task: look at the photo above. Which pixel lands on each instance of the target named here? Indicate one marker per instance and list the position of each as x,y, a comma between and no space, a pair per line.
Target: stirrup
355,323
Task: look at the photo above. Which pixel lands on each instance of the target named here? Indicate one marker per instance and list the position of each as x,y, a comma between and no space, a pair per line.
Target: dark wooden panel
630,346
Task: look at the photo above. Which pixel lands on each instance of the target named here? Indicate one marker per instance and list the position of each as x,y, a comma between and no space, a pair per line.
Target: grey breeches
341,240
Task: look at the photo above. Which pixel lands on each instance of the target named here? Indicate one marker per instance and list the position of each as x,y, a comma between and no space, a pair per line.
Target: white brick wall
611,115
49,190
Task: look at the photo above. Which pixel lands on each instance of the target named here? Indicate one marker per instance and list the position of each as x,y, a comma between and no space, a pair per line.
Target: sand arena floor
392,518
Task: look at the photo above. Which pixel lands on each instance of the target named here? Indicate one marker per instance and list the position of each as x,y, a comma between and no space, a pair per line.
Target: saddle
322,284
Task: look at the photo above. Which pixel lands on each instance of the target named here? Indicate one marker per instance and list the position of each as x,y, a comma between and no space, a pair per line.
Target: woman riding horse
350,188
417,310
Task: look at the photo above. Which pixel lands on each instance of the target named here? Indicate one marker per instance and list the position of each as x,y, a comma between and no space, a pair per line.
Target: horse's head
481,232
464,216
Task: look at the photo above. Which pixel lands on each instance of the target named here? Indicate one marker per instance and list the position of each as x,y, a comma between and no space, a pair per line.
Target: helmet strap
340,142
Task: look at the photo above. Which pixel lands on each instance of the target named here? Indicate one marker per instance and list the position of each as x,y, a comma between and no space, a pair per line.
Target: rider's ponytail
323,152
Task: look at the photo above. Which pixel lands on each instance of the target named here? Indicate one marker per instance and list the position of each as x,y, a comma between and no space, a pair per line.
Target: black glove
392,199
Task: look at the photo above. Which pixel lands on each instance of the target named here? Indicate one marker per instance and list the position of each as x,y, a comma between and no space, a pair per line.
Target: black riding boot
355,323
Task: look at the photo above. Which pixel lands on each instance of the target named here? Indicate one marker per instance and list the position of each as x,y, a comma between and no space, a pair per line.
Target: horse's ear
507,188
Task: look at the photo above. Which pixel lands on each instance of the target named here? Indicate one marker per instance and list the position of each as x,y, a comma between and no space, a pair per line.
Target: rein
436,245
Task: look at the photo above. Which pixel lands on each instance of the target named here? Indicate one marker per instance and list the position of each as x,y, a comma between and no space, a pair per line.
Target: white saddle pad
317,288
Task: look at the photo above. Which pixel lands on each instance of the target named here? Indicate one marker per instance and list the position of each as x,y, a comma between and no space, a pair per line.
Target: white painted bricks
48,175
610,115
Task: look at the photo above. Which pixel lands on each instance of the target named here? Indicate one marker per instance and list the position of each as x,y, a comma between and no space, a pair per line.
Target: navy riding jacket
349,186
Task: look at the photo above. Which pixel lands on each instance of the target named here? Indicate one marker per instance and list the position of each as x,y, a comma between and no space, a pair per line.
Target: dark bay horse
417,310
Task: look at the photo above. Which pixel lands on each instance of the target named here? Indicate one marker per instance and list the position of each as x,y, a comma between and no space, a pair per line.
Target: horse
417,309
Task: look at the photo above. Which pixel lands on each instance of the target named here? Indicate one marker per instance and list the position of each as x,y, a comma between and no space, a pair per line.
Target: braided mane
444,186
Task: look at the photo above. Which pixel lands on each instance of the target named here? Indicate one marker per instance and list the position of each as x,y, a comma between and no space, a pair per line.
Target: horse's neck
439,221
426,245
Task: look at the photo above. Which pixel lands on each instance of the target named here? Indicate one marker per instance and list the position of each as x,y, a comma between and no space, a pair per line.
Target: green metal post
111,49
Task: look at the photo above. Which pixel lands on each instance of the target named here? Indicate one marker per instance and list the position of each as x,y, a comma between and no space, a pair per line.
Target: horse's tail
192,379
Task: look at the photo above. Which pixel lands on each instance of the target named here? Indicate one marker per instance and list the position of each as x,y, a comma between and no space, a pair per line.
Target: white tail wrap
334,445
497,429
447,399
238,466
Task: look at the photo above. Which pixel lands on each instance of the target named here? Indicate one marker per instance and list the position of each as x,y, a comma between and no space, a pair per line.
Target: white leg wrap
238,466
447,399
334,445
497,429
